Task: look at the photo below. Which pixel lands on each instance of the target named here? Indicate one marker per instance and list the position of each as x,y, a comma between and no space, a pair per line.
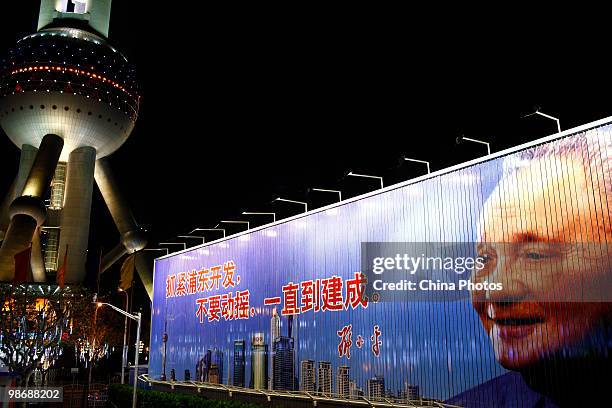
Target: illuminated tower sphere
68,82
68,99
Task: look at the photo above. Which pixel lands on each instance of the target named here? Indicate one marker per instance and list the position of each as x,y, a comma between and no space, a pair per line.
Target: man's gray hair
593,148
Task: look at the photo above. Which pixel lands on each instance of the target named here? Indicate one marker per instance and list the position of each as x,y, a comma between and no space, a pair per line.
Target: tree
33,320
95,331
38,320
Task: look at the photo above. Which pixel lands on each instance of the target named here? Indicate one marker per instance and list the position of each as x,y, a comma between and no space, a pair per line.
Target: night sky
241,106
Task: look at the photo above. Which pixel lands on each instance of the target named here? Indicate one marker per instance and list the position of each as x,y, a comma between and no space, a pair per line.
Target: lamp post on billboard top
192,237
469,139
324,190
294,202
209,229
419,161
261,213
174,243
350,173
157,249
537,112
248,224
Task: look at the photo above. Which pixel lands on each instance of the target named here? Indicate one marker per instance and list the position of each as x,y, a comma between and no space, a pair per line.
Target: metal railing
314,398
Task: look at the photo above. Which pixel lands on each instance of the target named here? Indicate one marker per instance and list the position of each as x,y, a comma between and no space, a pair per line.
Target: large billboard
522,320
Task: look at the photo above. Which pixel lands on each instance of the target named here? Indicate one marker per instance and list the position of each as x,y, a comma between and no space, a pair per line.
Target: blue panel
440,346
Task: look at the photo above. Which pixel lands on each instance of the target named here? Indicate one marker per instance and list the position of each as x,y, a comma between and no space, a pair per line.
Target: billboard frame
437,173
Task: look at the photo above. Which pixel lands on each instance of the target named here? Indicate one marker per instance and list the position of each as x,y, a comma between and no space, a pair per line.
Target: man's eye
535,256
486,258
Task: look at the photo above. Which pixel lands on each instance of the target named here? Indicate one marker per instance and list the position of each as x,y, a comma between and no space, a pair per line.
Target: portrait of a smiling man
545,234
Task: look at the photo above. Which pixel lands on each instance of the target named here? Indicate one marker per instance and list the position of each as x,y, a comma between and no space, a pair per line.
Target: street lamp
460,138
236,222
157,249
419,161
138,318
192,237
125,346
209,229
174,243
261,213
323,190
294,202
350,173
537,112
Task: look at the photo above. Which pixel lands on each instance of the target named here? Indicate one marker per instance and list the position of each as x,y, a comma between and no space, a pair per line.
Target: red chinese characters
329,294
181,284
310,296
290,294
215,276
214,308
360,341
201,312
242,304
344,347
203,280
332,293
192,282
170,288
229,268
346,336
227,307
355,295
376,343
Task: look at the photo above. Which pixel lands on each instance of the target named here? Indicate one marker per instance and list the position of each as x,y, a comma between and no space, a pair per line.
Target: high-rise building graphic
217,360
354,390
324,377
274,333
376,387
214,375
259,362
274,326
283,363
198,371
343,381
293,332
308,381
239,363
290,320
205,363
414,393
68,99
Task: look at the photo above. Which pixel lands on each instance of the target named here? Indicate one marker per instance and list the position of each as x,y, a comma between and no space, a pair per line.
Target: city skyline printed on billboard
294,288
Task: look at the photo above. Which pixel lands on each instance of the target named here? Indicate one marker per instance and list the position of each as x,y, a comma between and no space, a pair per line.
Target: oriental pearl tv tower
68,99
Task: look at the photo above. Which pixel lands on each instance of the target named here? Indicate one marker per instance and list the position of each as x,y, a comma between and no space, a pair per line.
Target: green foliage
121,396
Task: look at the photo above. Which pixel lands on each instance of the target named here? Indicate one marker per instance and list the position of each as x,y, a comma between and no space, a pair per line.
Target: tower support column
144,261
37,262
75,215
115,201
132,239
28,154
28,211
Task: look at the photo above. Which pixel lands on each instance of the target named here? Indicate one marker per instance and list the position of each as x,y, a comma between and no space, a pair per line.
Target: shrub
121,396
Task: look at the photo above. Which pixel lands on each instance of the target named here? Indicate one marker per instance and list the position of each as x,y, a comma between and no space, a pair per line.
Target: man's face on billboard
544,231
